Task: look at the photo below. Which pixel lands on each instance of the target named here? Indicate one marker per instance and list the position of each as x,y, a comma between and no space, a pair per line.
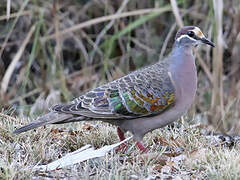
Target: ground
181,151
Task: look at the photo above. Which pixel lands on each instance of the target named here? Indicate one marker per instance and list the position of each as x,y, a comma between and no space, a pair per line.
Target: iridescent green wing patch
116,104
124,104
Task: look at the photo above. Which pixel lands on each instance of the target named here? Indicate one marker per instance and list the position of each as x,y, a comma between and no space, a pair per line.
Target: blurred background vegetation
53,51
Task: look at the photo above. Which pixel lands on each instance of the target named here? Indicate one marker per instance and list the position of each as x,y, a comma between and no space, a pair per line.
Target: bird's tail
49,118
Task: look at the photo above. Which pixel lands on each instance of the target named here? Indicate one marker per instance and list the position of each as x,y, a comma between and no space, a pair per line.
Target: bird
142,101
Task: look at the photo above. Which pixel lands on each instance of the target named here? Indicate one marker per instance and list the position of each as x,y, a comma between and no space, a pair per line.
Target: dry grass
77,45
177,151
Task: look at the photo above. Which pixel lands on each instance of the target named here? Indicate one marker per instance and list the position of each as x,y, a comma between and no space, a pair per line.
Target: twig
30,93
13,25
205,67
176,13
105,18
218,57
8,8
80,44
89,40
107,27
166,40
14,62
143,46
184,12
57,48
13,15
82,47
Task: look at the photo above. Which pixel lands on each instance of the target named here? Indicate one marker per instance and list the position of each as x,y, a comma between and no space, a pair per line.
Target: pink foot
141,147
120,134
122,147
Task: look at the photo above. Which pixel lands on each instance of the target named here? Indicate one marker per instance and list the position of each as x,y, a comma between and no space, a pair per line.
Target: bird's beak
206,41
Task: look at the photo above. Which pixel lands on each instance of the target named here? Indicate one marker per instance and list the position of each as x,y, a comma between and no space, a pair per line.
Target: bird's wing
145,92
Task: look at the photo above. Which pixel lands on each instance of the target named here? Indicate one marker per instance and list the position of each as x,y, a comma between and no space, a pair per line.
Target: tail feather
50,118
74,119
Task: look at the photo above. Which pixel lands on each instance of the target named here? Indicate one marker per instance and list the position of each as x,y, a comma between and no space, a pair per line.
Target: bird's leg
124,147
141,147
121,136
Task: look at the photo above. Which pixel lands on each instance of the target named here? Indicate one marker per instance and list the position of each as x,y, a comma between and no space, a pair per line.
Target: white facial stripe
198,32
183,36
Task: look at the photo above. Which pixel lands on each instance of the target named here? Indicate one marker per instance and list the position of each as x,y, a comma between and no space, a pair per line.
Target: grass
201,156
51,52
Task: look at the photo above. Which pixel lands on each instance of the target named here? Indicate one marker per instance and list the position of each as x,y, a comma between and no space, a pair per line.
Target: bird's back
145,92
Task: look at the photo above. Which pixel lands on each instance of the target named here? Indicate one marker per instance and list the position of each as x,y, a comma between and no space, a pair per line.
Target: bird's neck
183,70
182,61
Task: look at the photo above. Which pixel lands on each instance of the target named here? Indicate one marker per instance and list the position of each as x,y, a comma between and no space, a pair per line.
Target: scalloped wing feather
144,92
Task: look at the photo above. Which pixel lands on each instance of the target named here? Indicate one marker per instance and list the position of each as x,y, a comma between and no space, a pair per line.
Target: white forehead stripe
185,36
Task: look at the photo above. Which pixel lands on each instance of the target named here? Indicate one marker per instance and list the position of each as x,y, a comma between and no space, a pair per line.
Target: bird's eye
190,33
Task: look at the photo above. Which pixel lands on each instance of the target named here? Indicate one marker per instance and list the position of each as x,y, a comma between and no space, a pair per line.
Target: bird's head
191,36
